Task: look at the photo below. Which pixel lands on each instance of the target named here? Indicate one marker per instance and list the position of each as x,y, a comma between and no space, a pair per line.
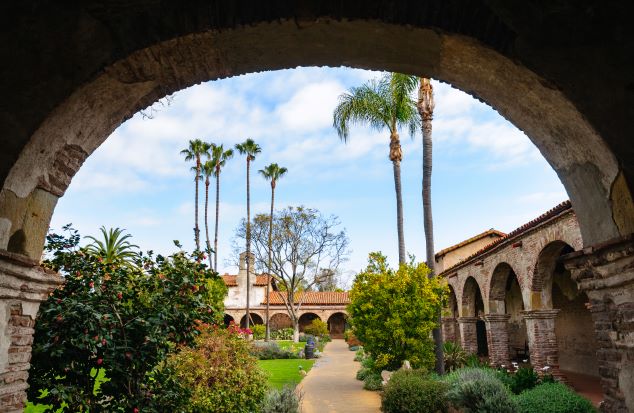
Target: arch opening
227,319
279,321
305,319
505,297
255,320
337,325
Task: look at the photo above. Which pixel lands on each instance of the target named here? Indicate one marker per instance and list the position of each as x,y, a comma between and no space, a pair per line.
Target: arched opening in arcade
568,309
450,327
280,321
227,319
305,320
337,325
506,305
255,320
473,330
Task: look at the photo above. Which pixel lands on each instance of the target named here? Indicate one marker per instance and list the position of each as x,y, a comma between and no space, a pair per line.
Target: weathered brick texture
468,334
498,338
606,273
23,285
450,329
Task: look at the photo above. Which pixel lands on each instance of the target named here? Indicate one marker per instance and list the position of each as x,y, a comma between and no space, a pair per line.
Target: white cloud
310,109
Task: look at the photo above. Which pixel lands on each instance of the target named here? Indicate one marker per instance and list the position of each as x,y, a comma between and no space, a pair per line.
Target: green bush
282,334
305,337
524,379
359,355
259,331
474,361
270,350
373,381
552,398
393,312
317,328
455,356
479,390
412,391
363,372
220,373
285,400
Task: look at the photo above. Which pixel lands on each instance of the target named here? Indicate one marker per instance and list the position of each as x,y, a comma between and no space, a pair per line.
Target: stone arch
255,319
337,323
548,263
472,302
305,319
279,321
47,152
502,280
452,304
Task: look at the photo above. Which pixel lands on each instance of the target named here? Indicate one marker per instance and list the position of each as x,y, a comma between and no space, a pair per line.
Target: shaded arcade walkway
331,387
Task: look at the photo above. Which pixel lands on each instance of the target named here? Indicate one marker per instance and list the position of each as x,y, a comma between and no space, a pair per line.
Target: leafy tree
394,312
195,151
273,173
304,242
114,248
383,104
219,157
122,319
248,148
426,111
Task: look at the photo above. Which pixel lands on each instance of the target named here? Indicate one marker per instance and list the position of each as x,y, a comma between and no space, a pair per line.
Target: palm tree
114,246
250,149
195,151
207,170
273,173
219,156
426,111
383,103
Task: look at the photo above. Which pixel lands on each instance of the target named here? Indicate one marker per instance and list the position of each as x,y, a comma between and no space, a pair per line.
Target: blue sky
486,174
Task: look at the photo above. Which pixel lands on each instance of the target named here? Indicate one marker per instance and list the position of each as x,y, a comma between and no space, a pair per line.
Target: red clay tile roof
490,232
564,207
232,280
312,298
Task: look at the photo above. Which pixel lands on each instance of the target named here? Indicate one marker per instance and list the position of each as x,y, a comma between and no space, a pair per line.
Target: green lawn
295,347
285,371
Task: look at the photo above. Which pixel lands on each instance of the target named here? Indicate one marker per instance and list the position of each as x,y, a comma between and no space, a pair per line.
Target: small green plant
285,400
413,391
373,381
362,373
359,355
479,390
455,356
524,379
317,328
282,334
259,330
474,361
552,398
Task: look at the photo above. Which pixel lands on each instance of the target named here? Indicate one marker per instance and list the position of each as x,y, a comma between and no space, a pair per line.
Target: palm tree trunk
206,220
217,216
268,283
196,229
429,235
248,242
396,155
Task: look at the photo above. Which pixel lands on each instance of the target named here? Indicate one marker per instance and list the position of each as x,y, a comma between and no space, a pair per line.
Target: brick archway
305,319
548,261
279,321
337,324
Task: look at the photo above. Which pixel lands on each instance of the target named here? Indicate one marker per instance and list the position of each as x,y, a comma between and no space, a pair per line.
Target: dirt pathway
331,386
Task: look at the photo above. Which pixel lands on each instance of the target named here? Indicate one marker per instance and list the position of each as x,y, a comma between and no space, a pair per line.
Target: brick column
449,329
498,338
542,341
606,274
468,334
23,285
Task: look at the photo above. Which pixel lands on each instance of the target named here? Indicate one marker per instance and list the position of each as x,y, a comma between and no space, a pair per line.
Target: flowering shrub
282,334
123,318
220,373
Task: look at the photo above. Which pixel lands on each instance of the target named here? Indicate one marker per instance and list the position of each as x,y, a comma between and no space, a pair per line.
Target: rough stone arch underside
78,70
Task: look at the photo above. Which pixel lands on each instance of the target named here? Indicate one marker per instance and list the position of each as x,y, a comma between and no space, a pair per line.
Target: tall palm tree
219,156
113,247
196,149
248,148
383,104
426,111
273,173
207,170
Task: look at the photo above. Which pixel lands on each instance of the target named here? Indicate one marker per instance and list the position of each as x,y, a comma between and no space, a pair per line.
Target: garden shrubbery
270,350
479,390
123,316
317,328
412,391
219,373
259,331
282,334
285,400
552,398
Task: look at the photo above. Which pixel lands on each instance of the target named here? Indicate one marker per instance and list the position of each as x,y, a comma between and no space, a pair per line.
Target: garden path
331,386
